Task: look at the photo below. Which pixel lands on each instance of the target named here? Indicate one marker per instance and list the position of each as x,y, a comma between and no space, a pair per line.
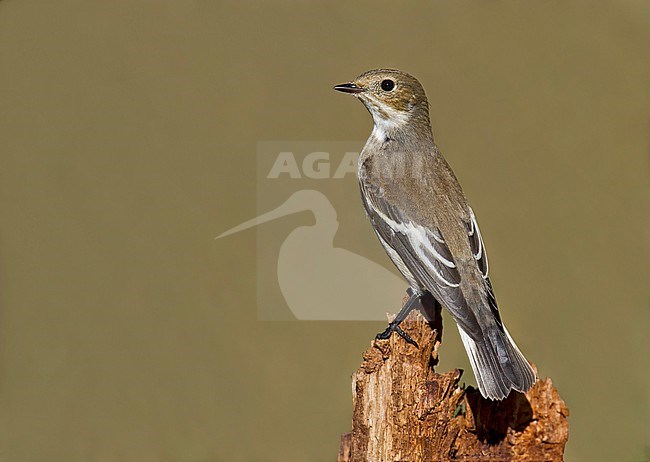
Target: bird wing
476,243
425,254
478,251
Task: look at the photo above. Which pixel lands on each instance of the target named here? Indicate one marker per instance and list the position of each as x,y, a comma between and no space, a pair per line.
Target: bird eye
387,85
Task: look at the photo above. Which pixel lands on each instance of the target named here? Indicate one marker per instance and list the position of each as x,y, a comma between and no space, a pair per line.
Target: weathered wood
405,411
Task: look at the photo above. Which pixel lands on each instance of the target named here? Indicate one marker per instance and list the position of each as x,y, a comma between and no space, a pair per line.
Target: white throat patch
386,120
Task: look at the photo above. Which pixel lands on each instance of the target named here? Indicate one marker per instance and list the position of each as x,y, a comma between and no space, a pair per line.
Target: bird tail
498,364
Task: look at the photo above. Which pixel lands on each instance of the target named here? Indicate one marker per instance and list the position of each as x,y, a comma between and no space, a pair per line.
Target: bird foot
393,327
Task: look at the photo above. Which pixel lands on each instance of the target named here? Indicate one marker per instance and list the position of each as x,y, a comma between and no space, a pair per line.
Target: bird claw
385,335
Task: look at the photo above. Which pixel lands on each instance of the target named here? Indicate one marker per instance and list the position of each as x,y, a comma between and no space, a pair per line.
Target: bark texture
405,411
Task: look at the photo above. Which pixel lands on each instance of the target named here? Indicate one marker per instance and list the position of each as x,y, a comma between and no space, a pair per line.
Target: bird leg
412,303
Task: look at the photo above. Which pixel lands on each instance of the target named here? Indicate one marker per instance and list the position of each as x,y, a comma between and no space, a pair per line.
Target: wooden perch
405,411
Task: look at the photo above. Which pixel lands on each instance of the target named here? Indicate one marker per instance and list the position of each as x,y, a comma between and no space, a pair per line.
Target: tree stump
405,411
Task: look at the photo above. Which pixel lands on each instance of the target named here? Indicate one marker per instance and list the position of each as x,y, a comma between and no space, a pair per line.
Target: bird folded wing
476,244
424,253
478,250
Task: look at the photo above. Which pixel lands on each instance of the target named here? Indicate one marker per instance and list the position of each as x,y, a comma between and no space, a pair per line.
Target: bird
423,220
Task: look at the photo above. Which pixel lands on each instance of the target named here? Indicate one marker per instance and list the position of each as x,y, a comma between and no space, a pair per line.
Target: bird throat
391,124
388,123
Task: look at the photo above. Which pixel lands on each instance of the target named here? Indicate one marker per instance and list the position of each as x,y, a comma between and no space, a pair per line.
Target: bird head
395,99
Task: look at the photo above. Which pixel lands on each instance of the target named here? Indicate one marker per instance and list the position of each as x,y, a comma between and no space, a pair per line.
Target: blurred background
128,141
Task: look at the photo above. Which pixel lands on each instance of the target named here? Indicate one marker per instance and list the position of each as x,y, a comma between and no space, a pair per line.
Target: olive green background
128,133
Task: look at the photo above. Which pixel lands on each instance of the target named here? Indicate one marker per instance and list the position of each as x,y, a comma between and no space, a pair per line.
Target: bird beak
349,88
